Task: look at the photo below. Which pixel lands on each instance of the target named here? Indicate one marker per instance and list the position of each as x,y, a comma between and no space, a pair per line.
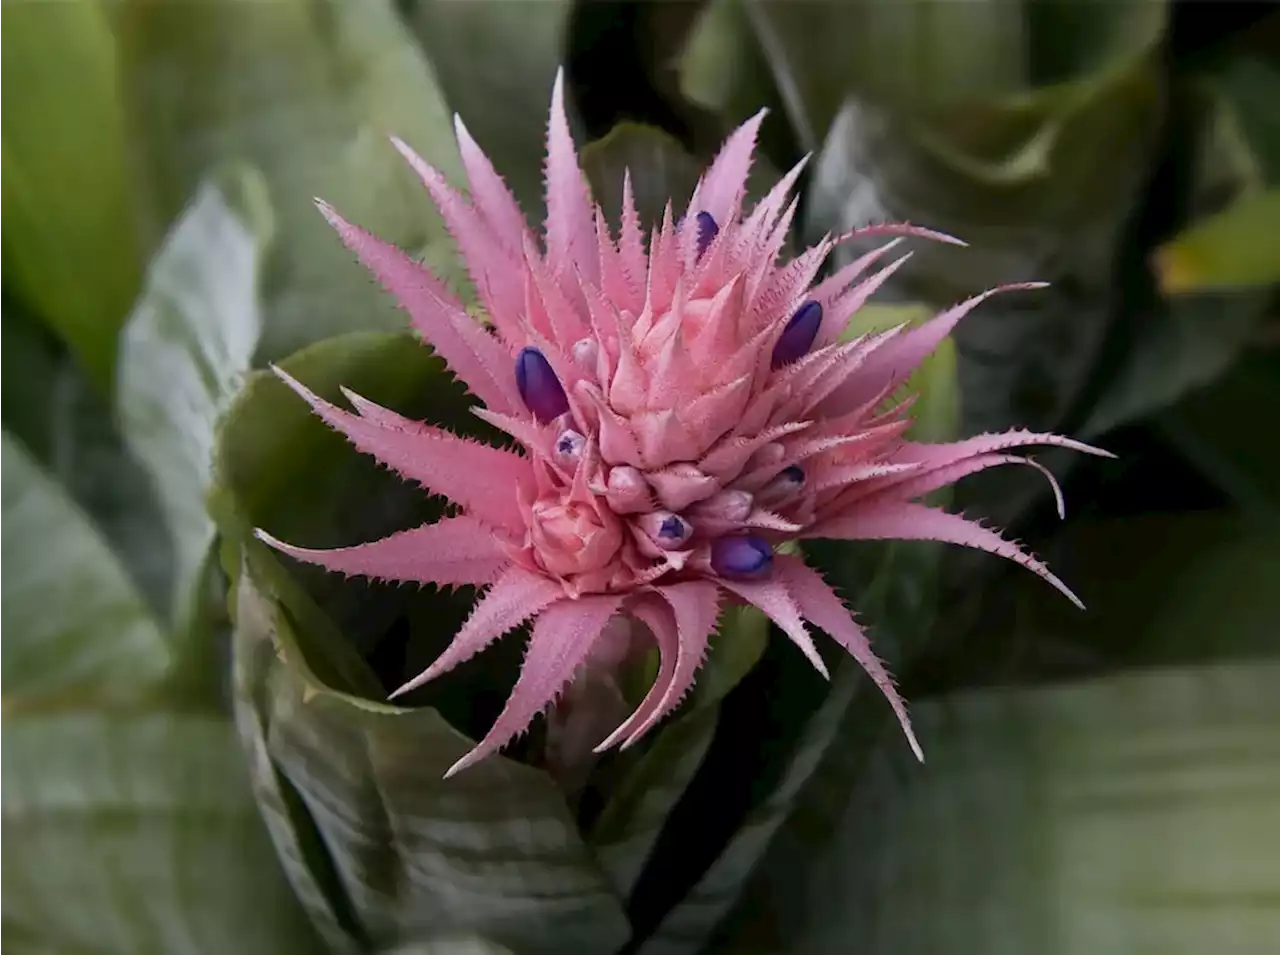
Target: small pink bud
627,491
585,353
728,506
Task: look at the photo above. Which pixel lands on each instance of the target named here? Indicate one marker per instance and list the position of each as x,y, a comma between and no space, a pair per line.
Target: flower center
571,537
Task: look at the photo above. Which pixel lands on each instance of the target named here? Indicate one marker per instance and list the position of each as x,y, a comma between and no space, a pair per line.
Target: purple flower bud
741,556
669,531
569,446
673,529
539,387
797,338
707,231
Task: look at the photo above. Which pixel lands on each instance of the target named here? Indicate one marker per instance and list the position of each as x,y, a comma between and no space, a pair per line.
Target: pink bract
681,407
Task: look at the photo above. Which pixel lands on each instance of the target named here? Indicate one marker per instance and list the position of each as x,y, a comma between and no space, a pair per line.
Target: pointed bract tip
557,89
914,743
457,767
329,212
901,230
407,151
741,556
268,539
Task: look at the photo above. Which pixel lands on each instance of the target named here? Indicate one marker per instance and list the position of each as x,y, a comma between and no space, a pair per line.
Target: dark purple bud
672,529
707,231
745,556
793,474
539,387
797,338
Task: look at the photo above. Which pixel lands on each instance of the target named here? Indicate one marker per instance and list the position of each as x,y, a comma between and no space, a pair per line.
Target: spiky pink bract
681,407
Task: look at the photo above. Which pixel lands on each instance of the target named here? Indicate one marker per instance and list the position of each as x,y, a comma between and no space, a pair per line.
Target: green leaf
722,66
452,945
1184,343
31,359
307,91
922,55
1216,429
493,850
1252,84
183,353
1117,815
661,171
497,63
645,792
71,248
75,626
86,455
1160,590
688,927
1238,247
280,468
132,835
1037,158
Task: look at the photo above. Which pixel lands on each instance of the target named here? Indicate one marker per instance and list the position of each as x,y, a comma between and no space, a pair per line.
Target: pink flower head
680,407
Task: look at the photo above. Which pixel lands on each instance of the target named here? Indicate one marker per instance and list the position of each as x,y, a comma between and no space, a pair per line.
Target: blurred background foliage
199,757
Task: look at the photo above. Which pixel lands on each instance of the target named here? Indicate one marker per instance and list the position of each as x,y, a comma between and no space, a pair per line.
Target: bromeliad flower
681,409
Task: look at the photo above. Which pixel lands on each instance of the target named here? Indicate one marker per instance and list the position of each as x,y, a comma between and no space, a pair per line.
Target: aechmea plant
680,408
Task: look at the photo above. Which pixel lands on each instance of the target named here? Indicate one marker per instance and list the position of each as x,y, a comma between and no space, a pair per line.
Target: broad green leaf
71,247
279,467
661,171
643,795
452,945
53,409
308,92
183,352
496,63
688,927
1238,247
136,834
75,627
981,122
1217,430
1160,590
30,361
1179,344
493,850
919,55
1252,84
722,66
299,845
1122,814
